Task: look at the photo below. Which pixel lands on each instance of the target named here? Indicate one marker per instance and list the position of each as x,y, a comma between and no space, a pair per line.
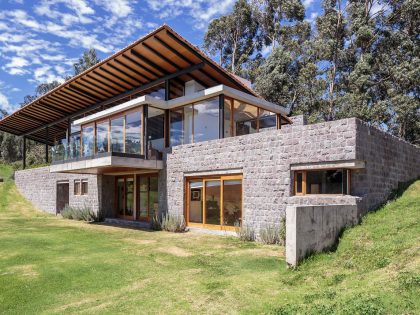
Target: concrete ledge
351,164
102,164
311,229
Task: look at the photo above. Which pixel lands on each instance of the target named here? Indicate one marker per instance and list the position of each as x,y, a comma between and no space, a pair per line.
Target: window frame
304,182
82,182
77,191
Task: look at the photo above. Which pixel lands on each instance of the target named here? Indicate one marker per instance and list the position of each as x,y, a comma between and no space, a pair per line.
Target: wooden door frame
137,188
221,178
125,217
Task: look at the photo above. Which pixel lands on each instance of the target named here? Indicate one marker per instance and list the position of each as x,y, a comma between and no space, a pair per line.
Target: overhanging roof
131,72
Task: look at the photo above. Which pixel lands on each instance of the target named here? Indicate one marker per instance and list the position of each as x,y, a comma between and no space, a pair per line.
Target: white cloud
307,3
16,66
202,11
4,103
45,74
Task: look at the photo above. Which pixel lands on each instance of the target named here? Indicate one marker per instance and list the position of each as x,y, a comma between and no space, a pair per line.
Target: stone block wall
264,160
389,162
39,186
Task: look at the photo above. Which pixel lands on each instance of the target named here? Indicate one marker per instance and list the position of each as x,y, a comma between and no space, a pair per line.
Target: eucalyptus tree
87,60
233,37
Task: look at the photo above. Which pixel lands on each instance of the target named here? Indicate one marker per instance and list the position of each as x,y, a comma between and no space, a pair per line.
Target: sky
41,40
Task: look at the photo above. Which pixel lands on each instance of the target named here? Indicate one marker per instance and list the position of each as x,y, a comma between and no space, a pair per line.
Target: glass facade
206,120
245,118
156,128
176,129
102,136
88,136
267,120
133,133
117,134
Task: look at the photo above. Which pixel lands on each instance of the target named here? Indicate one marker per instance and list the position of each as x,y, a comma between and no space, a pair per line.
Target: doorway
124,189
214,202
62,196
147,196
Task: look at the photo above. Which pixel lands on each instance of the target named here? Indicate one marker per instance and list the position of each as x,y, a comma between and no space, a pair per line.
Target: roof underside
136,70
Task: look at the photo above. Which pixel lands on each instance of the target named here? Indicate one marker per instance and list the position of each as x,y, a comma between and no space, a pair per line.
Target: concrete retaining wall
312,229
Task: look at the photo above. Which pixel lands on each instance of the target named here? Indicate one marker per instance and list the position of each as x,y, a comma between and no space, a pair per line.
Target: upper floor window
332,182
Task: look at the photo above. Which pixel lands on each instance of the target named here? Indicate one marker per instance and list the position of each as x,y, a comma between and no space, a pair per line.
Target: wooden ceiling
133,71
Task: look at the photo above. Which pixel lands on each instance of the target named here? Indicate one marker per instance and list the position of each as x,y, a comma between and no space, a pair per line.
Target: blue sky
40,40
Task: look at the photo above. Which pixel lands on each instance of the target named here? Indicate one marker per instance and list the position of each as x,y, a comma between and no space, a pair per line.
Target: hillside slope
51,265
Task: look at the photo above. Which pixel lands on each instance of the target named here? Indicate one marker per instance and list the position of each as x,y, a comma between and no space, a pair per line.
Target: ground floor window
330,182
214,202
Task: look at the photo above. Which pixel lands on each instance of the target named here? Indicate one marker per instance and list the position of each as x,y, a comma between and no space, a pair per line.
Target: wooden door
62,196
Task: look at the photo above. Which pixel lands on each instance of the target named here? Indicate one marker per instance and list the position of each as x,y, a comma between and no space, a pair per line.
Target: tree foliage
360,58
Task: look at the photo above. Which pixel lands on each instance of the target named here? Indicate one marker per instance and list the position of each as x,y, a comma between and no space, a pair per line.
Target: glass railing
132,145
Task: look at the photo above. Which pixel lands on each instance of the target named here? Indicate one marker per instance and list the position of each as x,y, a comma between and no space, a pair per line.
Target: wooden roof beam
120,96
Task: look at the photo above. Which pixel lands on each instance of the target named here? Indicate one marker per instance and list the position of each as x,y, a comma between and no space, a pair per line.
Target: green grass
52,265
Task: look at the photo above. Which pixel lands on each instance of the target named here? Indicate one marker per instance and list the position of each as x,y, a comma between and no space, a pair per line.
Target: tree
232,37
87,60
276,18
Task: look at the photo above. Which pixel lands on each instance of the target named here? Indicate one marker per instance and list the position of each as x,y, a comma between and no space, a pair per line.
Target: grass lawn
52,265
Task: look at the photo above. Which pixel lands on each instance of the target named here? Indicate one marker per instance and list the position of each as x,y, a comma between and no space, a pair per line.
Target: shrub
270,234
156,223
80,214
245,233
173,223
282,232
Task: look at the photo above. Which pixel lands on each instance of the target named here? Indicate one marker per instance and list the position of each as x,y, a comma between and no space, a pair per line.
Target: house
159,127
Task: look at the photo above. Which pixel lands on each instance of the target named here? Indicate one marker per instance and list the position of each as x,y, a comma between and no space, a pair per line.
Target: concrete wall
264,160
39,186
312,229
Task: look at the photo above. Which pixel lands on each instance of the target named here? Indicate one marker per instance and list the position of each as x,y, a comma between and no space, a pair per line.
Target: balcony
117,158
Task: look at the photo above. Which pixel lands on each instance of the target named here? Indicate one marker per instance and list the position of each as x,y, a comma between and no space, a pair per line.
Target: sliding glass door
147,196
125,197
214,202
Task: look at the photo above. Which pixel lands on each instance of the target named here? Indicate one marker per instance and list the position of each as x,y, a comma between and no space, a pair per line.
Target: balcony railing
131,148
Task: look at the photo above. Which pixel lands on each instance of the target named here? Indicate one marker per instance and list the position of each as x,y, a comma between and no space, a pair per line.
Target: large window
215,202
117,134
147,196
245,118
156,128
102,136
133,132
88,140
195,123
335,181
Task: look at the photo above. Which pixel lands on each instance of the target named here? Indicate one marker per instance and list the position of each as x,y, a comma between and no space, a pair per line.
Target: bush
245,233
270,234
282,232
80,214
156,223
173,223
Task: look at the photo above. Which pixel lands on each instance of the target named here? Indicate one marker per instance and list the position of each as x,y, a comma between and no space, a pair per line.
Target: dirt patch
174,250
23,271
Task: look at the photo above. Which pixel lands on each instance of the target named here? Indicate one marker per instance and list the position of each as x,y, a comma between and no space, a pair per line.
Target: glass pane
228,115
175,89
153,196
87,140
206,120
75,145
324,182
120,196
143,193
102,137
267,119
213,202
245,118
188,124
133,133
129,193
117,135
196,202
299,178
232,202
156,128
176,127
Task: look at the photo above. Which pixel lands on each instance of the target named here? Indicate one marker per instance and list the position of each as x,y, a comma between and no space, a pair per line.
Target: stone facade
39,186
264,160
